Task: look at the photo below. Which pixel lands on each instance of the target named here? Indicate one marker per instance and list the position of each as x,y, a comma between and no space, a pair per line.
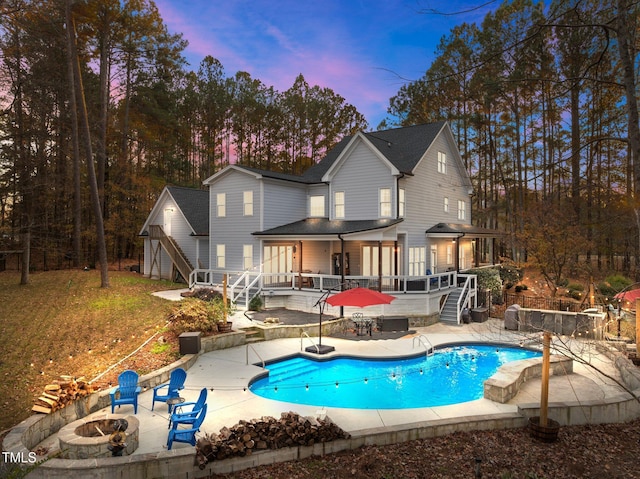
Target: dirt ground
581,452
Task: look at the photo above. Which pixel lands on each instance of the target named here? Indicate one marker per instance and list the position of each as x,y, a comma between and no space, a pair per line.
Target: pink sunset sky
364,50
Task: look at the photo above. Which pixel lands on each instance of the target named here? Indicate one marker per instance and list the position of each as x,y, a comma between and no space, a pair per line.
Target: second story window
446,204
221,204
338,204
247,200
316,206
442,162
401,203
462,210
385,202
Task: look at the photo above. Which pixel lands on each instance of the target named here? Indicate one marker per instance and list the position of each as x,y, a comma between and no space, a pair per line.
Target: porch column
380,266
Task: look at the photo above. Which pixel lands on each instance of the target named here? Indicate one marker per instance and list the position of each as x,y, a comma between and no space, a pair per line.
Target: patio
226,374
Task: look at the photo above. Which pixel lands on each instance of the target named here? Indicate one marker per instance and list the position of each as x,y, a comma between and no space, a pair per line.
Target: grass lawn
64,323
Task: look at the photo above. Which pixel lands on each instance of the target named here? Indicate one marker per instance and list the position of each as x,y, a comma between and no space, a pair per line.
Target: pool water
450,375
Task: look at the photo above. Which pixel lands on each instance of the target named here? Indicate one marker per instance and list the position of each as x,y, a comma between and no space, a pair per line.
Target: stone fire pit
89,437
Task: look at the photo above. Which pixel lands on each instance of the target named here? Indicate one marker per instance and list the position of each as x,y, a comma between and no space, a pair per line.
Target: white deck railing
241,281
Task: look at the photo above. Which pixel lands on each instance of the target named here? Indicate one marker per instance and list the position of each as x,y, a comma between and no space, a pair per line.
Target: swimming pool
450,375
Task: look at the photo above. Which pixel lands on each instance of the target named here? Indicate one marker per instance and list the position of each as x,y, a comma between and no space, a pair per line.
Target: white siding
235,229
284,203
360,177
180,232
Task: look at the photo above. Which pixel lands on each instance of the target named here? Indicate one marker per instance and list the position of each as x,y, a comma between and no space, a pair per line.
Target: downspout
458,252
342,279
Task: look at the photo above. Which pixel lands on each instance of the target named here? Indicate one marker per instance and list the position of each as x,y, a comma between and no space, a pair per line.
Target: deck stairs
449,312
180,261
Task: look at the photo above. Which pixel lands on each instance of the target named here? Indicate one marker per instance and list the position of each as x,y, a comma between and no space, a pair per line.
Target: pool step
292,370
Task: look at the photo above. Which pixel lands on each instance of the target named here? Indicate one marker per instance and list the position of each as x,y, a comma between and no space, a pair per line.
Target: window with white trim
442,162
338,204
220,256
417,258
385,202
221,205
462,210
446,204
247,201
449,254
401,202
316,206
247,257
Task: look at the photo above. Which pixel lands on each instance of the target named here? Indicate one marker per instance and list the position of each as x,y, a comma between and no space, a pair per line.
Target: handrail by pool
256,352
422,339
304,333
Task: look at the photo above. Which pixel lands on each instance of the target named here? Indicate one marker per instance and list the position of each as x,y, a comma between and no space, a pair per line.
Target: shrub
255,304
613,284
510,273
489,278
193,314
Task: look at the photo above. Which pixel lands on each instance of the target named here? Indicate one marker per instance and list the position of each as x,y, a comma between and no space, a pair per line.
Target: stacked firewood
60,393
265,433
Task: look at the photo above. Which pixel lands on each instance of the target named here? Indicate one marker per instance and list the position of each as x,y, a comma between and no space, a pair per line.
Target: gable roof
402,147
194,205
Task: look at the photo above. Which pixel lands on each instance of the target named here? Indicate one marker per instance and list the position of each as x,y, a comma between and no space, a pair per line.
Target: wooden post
544,390
224,295
637,327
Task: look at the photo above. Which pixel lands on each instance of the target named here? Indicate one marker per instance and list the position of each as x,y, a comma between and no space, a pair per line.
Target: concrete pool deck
228,374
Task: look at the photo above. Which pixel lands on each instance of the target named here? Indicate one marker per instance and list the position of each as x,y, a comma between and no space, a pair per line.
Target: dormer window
316,206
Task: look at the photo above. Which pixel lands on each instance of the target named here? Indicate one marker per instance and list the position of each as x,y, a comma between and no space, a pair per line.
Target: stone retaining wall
179,463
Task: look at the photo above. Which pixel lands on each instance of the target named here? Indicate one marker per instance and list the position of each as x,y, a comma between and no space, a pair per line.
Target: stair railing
177,256
467,294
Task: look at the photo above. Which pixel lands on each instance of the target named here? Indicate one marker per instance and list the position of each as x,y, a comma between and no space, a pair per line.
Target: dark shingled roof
403,147
194,204
457,229
324,226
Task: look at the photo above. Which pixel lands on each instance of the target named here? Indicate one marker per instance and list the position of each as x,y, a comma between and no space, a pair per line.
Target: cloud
361,50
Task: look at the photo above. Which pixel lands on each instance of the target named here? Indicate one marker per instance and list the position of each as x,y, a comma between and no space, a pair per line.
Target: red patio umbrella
359,297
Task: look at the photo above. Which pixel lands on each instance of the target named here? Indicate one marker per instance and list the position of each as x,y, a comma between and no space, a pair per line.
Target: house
388,210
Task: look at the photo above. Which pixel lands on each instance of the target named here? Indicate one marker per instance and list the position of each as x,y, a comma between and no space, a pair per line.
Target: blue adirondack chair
186,435
126,391
175,384
189,416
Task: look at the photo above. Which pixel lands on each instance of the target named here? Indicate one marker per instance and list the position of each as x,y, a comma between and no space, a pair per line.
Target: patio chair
126,391
175,384
186,435
189,417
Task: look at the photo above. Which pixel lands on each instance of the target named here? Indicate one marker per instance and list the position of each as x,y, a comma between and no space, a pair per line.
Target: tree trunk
625,45
77,187
93,184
